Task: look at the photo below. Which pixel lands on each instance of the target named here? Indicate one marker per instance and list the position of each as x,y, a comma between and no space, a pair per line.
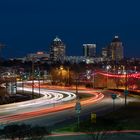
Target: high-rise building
57,50
89,50
115,49
104,52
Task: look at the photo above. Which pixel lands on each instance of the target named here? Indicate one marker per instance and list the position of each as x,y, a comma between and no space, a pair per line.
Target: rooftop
116,39
57,39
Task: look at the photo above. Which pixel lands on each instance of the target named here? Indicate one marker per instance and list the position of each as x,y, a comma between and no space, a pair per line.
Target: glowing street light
107,68
61,71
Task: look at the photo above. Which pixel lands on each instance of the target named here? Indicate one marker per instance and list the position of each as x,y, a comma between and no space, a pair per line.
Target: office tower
57,50
89,50
115,49
104,52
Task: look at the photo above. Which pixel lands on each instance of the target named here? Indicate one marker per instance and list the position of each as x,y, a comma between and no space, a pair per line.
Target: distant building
104,52
75,59
82,59
115,50
38,56
89,50
57,50
94,60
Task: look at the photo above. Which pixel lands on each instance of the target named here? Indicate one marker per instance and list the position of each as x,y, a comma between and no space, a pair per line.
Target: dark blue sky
30,25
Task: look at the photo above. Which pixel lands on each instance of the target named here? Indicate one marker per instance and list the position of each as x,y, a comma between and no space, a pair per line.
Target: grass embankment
123,119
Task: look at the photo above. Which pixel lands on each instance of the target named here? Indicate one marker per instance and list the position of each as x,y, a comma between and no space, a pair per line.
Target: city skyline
47,50
30,26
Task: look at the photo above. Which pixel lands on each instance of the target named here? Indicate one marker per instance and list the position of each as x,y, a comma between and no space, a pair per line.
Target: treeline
23,131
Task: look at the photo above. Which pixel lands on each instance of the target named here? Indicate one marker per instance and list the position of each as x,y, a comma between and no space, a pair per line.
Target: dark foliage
23,131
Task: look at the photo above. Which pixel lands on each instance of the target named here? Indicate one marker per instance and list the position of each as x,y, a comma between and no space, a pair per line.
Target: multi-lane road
51,101
56,106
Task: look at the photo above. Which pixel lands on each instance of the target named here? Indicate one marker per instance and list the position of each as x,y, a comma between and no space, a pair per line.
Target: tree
23,131
38,132
11,131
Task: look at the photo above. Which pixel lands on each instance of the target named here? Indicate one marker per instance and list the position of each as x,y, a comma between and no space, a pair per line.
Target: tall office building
104,52
115,49
57,50
89,50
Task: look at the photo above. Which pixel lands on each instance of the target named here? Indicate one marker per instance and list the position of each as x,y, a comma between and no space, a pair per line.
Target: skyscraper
104,52
115,49
57,50
89,50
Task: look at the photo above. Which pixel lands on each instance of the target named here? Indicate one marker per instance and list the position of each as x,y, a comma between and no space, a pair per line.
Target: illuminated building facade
115,50
37,56
89,50
104,52
57,50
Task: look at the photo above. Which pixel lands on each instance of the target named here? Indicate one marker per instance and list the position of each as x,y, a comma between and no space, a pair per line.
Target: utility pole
107,68
125,87
38,74
22,84
126,92
32,77
93,79
78,111
68,76
76,84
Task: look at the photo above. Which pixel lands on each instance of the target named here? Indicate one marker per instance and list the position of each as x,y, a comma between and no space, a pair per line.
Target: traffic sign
126,92
114,96
93,118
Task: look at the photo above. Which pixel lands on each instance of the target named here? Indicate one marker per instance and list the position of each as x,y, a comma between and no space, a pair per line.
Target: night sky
30,25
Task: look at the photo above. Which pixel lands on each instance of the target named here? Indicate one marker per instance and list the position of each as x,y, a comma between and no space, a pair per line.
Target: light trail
42,112
50,97
129,75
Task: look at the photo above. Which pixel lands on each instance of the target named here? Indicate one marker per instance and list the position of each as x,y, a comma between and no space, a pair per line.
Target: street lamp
32,77
76,84
107,68
93,79
68,69
126,92
38,75
64,73
15,83
61,73
78,111
22,78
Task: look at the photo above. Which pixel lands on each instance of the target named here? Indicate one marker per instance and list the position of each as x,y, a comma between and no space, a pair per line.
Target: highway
52,101
69,115
57,106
